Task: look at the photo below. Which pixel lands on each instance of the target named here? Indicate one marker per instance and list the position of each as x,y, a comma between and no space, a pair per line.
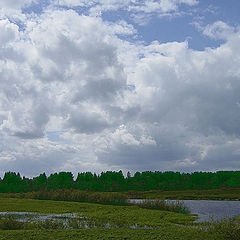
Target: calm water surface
207,209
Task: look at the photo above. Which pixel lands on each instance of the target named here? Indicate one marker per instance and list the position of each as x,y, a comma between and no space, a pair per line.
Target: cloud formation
115,103
11,4
218,30
146,5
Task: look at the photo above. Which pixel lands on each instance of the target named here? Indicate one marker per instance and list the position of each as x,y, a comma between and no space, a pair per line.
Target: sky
131,85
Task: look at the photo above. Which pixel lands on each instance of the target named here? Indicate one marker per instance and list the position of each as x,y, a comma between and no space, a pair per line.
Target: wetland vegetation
177,206
104,221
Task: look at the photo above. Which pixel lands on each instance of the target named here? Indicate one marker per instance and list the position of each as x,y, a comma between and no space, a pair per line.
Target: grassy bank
120,198
110,198
211,194
162,223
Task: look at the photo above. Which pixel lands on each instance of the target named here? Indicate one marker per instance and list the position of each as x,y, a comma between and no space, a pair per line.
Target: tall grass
228,228
75,195
9,223
12,223
176,206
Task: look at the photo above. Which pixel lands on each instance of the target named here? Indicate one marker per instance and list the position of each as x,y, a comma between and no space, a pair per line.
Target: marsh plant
11,222
228,228
174,206
50,224
78,223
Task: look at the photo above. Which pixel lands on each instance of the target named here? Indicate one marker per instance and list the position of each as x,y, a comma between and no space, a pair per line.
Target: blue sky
169,28
107,85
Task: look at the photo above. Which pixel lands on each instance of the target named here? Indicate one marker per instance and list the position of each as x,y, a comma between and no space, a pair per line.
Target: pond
207,210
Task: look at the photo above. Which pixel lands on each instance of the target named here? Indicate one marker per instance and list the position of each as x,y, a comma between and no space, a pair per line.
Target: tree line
112,181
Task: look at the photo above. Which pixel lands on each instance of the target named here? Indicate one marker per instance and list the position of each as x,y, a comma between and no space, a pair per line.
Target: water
215,210
207,210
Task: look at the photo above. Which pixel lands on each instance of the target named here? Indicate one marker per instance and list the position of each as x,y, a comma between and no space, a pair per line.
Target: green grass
170,233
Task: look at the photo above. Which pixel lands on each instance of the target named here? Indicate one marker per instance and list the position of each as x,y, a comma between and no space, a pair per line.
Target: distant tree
115,181
233,182
40,180
12,178
60,180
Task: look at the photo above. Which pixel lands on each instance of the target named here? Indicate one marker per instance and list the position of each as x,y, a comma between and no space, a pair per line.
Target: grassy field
211,194
163,224
169,233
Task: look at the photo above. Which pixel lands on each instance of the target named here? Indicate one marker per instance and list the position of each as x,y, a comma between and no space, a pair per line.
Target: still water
206,209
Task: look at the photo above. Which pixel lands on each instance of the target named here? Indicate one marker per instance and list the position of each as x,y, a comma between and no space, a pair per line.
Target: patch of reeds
227,228
173,206
49,224
9,223
12,223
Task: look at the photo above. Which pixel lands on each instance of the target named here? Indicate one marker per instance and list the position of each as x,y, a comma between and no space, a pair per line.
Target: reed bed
12,223
228,228
174,206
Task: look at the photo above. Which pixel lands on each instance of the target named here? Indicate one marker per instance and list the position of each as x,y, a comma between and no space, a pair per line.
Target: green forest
112,181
